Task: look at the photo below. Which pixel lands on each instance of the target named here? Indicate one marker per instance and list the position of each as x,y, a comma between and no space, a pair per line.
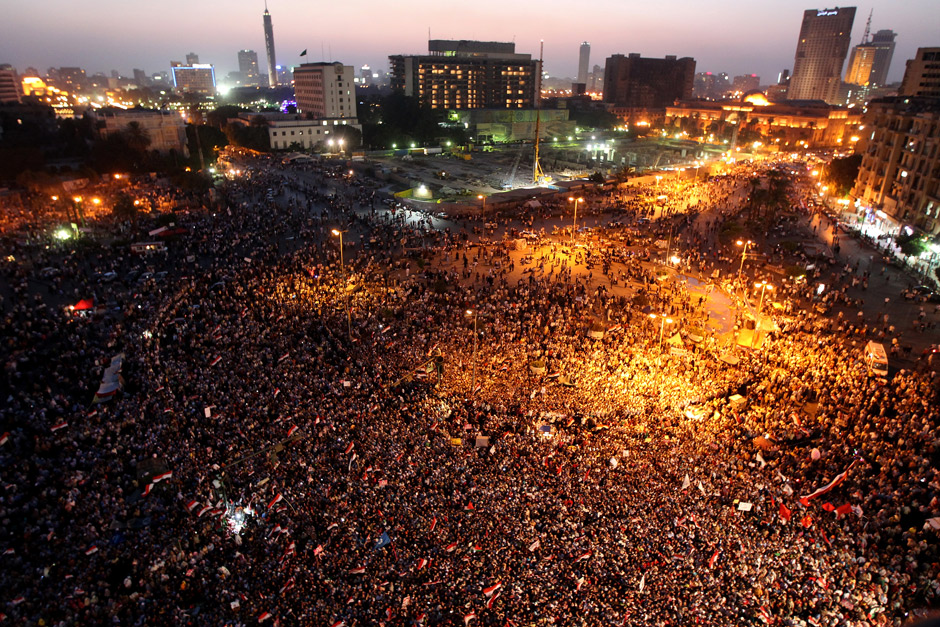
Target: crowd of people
422,434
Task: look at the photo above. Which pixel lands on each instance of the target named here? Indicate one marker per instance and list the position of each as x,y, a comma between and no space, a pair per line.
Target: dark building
820,54
922,75
637,82
468,75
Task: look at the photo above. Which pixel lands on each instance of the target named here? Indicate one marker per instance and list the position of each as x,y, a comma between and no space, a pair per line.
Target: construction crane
538,176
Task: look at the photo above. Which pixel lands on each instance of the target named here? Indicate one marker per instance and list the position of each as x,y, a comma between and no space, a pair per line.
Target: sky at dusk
734,36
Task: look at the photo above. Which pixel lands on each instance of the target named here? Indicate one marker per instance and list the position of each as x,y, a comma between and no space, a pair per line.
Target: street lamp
662,328
473,380
574,226
342,265
482,198
743,254
764,286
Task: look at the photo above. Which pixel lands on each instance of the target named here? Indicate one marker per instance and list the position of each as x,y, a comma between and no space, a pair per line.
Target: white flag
642,582
685,482
702,488
760,458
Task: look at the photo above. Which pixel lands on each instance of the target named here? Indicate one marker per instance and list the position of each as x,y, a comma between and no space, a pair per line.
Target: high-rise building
325,90
870,60
70,79
898,180
9,84
820,54
192,59
248,66
194,79
583,62
140,77
746,83
922,76
468,75
269,47
643,83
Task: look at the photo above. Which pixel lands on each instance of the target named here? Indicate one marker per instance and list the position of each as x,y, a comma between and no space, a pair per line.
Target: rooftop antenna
867,28
537,174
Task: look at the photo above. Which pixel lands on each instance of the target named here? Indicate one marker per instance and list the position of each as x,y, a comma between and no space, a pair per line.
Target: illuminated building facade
326,90
468,75
194,79
248,66
633,82
816,124
922,76
166,129
899,179
820,54
870,60
584,60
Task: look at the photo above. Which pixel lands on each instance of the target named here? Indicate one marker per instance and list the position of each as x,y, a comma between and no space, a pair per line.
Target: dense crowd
314,443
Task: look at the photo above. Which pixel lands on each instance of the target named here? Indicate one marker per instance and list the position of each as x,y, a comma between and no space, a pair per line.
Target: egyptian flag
843,510
831,485
785,513
191,506
60,425
147,489
204,510
489,604
349,448
580,583
357,571
277,499
339,623
318,550
433,524
164,475
10,552
283,357
4,438
264,616
584,556
489,591
216,360
469,617
475,390
450,547
91,550
422,563
287,586
292,430
713,558
469,506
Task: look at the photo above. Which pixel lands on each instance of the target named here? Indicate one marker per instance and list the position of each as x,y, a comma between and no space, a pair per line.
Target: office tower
820,54
248,66
870,60
638,82
70,79
269,47
325,90
583,61
140,77
192,59
9,84
746,83
468,75
922,76
195,79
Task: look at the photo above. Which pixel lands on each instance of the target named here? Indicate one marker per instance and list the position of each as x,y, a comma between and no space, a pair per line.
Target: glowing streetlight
482,199
662,328
574,227
743,254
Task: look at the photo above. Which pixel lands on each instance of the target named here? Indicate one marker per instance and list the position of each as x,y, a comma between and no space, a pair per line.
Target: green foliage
399,119
911,245
253,137
594,118
124,207
597,177
841,173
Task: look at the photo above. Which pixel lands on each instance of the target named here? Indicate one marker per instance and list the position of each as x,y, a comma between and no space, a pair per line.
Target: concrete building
818,124
745,83
870,60
248,66
584,60
192,59
820,54
634,82
922,76
898,183
326,90
166,129
194,79
269,47
297,132
10,90
468,75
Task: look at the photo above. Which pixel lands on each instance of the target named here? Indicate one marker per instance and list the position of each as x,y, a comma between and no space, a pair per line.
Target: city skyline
731,36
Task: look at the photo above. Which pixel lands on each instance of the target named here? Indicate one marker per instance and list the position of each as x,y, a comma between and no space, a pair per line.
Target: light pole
764,286
574,226
473,380
662,328
342,265
482,198
743,254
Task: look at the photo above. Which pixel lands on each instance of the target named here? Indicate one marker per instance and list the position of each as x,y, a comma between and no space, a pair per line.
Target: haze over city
731,36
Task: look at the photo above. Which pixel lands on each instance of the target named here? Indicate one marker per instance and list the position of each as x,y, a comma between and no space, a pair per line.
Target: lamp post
764,286
342,265
743,254
662,328
574,226
473,380
482,198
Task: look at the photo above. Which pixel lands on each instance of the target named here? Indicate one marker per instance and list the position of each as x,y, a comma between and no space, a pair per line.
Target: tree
125,209
841,173
137,138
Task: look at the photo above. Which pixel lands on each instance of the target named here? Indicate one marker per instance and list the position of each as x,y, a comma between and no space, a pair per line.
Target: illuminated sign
827,12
